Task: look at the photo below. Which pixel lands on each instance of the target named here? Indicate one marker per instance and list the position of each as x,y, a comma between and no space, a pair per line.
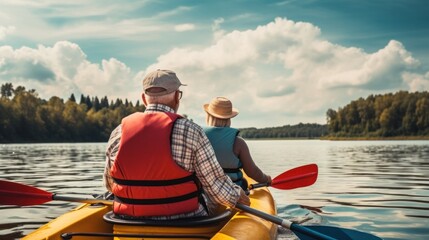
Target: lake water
381,187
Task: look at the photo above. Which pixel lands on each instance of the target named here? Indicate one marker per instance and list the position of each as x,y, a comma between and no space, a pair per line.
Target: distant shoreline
402,138
326,138
396,138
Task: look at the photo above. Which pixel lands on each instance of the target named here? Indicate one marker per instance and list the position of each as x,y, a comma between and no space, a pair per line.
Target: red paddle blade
18,194
295,178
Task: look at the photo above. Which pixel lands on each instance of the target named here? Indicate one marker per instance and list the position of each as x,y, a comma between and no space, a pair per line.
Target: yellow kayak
96,221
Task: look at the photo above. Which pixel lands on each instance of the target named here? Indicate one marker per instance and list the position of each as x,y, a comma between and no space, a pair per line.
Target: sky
280,62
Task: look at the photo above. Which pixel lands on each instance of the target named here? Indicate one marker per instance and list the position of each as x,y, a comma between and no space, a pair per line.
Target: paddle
302,176
12,193
311,232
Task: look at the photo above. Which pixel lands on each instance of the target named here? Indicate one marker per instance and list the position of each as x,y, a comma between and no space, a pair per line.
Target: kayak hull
90,220
85,218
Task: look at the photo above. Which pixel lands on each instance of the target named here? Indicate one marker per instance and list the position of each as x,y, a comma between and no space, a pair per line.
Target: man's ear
176,101
144,99
176,96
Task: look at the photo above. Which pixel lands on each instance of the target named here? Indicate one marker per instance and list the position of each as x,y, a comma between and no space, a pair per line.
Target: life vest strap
231,170
154,183
157,200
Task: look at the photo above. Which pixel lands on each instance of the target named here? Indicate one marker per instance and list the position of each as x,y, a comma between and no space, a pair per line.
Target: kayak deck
247,226
85,218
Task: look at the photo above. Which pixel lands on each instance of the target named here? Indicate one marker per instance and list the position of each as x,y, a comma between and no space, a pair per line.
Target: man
158,163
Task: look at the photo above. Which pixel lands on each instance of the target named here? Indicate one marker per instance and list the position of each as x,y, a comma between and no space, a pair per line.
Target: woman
231,150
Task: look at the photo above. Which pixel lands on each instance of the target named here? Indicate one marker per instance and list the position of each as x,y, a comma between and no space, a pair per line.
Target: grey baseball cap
164,79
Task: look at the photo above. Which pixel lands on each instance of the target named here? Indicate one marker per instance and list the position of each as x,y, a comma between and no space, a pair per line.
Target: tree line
389,115
301,130
24,117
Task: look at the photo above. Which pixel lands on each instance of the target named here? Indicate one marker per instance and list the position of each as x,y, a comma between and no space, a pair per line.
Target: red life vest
147,180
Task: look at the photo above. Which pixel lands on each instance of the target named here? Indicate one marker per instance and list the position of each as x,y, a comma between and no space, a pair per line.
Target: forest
25,117
388,115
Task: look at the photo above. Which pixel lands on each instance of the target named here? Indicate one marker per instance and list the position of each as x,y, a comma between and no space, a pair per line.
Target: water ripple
380,187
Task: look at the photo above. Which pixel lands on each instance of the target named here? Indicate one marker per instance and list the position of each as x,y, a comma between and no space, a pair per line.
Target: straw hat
220,107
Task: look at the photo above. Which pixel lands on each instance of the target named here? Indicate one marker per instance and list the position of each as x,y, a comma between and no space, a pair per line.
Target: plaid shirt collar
157,107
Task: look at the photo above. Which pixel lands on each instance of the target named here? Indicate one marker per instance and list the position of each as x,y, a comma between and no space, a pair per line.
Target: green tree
29,124
72,98
104,103
392,114
422,114
82,99
96,104
51,114
74,118
331,118
7,90
88,102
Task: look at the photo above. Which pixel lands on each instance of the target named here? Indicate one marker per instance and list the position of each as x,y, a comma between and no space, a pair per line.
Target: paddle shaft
81,200
258,185
284,223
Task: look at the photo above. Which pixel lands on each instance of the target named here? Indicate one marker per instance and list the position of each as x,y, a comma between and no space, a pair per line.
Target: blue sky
280,62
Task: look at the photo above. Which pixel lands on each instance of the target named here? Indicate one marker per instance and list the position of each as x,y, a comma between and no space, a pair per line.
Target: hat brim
165,92
233,113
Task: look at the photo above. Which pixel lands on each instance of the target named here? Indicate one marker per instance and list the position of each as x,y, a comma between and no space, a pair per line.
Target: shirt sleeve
216,184
111,152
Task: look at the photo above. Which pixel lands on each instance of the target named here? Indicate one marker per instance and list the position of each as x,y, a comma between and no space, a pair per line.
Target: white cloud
76,20
286,69
75,8
5,31
217,31
184,27
64,69
177,10
417,82
280,73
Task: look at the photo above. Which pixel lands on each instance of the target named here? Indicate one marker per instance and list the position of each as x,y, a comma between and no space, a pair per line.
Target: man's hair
164,99
217,122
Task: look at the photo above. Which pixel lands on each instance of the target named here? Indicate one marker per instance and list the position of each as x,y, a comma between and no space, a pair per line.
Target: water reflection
380,187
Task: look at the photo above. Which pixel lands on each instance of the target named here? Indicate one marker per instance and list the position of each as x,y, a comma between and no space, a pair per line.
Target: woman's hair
217,122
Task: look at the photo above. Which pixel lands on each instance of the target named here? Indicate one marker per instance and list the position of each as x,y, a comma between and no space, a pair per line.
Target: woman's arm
241,150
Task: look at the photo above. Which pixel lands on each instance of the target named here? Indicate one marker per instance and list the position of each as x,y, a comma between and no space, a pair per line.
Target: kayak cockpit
191,228
223,217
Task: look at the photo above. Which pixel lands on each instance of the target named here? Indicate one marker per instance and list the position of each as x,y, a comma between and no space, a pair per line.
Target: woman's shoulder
240,143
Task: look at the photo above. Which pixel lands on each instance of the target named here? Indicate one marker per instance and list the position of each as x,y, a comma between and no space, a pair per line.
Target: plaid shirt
192,151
